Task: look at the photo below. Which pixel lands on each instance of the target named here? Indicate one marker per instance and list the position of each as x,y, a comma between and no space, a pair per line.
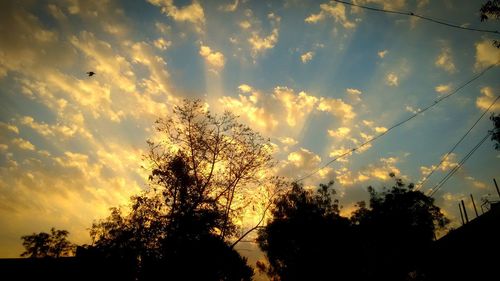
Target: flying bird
90,73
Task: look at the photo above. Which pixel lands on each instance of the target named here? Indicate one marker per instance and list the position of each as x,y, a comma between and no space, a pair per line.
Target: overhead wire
439,185
349,151
424,180
411,14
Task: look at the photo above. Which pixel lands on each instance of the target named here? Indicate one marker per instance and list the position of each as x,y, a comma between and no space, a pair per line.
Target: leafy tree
307,239
491,10
495,132
203,167
396,231
135,235
45,245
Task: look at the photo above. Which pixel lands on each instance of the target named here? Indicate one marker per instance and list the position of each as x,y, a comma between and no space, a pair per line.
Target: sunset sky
315,77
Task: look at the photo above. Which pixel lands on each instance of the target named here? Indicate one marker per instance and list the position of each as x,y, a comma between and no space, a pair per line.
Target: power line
438,21
456,168
395,125
455,146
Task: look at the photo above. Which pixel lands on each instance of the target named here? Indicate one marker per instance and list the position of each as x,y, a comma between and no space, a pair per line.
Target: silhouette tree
491,10
224,160
495,132
307,239
45,245
396,231
202,170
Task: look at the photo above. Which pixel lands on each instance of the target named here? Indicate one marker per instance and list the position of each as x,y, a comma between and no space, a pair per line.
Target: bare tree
225,162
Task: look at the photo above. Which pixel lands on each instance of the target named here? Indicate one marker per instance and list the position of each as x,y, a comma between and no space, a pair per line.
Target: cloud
164,29
335,10
215,60
288,141
68,191
443,88
9,127
304,158
46,183
105,61
245,88
245,24
158,81
477,183
260,44
341,132
355,94
306,57
57,130
445,60
392,79
23,144
380,129
162,44
382,54
339,152
28,45
91,13
296,106
372,172
411,109
486,99
368,123
56,12
447,164
252,109
386,4
337,107
283,107
231,7
192,13
486,54
299,162
259,37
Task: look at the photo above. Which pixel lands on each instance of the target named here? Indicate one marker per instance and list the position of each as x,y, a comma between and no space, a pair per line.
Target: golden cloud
215,60
486,99
23,144
335,10
392,79
486,54
192,13
443,88
307,56
337,107
445,60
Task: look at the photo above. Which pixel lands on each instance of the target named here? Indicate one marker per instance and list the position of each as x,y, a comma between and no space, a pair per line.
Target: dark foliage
396,232
182,227
390,239
47,245
179,242
491,10
307,239
495,132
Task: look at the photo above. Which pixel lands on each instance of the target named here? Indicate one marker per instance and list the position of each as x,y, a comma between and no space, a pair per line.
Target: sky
316,77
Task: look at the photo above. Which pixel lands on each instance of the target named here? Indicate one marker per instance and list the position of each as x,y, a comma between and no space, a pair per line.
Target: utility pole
461,213
496,185
474,204
465,212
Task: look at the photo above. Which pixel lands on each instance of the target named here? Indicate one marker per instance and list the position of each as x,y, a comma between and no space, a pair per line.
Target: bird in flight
90,73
